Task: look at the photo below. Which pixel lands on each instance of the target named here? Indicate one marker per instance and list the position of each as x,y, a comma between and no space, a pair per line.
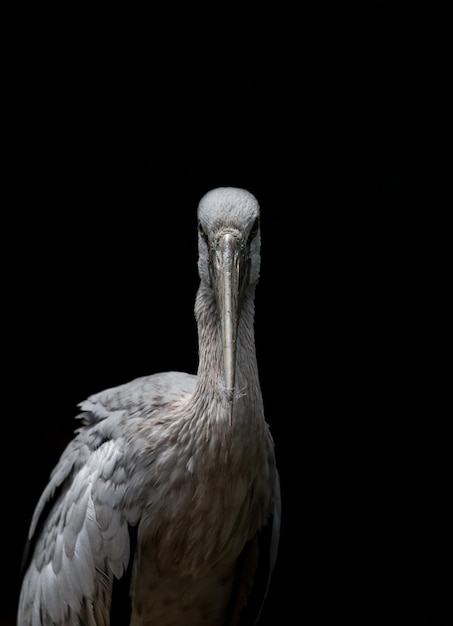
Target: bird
165,506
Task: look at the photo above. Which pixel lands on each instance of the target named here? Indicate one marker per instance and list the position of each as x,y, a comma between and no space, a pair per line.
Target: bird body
185,461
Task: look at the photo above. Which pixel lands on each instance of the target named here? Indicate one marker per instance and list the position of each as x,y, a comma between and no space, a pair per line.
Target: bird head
229,259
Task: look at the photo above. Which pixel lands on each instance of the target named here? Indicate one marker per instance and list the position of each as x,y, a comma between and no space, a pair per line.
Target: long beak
229,265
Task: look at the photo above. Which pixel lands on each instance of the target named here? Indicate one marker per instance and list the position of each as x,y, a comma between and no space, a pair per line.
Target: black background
124,116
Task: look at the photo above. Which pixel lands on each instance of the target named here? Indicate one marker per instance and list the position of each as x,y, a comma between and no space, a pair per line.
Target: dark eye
201,231
255,227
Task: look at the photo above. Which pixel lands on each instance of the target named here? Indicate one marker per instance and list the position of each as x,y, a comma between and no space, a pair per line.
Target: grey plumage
187,461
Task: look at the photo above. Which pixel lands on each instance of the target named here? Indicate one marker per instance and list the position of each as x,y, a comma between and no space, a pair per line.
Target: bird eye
201,231
255,227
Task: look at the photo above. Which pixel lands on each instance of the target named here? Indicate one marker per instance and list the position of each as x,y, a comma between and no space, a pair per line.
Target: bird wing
78,539
81,543
256,566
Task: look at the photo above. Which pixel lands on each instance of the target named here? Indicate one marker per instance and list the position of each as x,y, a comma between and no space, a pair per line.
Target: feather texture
187,461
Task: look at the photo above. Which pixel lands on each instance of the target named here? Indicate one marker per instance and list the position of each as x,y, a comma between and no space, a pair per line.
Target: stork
170,483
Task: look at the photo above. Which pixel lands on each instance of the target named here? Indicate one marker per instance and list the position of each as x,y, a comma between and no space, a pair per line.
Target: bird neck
247,391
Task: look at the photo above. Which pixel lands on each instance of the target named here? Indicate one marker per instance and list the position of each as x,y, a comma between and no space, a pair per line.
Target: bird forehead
228,208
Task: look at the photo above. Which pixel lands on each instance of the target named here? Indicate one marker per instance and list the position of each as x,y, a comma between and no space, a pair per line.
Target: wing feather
82,543
79,539
256,566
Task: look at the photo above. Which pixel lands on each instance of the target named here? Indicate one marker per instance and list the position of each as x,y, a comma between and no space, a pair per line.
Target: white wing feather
84,541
